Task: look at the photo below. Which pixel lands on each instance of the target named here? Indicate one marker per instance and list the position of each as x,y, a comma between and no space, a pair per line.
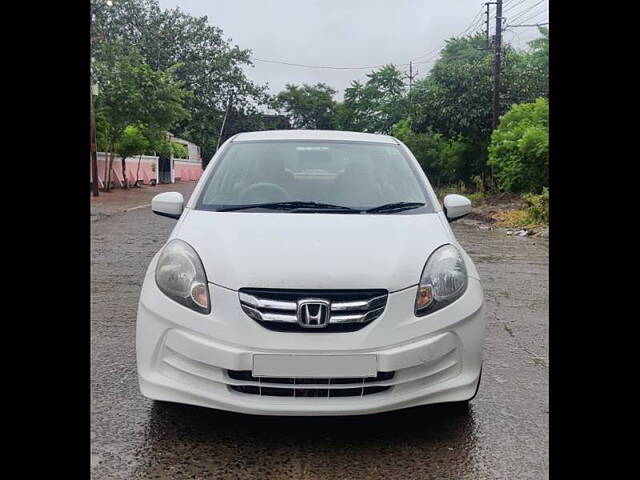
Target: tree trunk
94,154
138,170
109,168
107,155
124,172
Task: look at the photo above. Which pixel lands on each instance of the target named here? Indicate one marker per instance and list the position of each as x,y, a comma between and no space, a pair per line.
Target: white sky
350,32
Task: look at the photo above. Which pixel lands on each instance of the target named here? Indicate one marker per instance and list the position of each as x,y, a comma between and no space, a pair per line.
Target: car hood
312,250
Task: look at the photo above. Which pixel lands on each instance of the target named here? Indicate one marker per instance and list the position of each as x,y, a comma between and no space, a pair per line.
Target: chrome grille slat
277,308
266,303
359,305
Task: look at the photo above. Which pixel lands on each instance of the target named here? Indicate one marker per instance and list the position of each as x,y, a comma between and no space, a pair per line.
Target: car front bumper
185,357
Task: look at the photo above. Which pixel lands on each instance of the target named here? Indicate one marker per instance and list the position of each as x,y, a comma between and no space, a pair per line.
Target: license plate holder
315,366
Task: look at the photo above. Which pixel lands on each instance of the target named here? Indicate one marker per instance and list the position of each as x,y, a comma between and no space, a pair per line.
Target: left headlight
443,280
180,276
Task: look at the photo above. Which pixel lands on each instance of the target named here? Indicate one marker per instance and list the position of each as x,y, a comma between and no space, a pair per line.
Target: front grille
276,309
309,387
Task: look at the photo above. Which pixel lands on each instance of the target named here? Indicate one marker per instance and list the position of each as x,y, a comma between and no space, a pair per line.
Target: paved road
503,435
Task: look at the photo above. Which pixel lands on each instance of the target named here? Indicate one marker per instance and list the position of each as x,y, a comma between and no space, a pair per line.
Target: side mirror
168,204
456,206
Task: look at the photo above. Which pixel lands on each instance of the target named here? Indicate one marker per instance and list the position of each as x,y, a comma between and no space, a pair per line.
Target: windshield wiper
394,207
295,205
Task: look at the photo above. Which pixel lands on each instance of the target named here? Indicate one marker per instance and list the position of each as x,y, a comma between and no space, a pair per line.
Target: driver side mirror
456,206
168,204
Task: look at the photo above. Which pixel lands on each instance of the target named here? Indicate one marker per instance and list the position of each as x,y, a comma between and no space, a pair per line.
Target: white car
311,273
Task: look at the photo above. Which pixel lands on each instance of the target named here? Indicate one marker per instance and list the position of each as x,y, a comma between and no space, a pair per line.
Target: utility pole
496,65
411,77
486,32
224,120
94,154
487,23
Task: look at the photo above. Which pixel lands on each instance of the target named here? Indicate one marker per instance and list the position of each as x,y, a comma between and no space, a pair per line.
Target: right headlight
443,280
180,276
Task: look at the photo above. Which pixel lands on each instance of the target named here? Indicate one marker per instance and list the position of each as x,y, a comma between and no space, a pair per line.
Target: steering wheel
264,192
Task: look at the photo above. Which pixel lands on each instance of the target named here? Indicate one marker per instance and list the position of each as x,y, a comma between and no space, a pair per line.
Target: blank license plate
319,366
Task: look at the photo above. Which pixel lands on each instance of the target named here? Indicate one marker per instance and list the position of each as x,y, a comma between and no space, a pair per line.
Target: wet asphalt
503,434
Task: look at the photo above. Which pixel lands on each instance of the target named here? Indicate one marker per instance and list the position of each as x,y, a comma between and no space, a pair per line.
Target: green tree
132,93
131,143
208,64
456,98
121,99
376,105
519,148
440,158
308,106
178,150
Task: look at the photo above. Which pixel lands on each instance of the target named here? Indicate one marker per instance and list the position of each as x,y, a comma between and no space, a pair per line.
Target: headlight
443,280
180,276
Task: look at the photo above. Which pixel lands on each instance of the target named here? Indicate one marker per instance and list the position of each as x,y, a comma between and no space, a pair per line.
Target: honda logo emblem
314,313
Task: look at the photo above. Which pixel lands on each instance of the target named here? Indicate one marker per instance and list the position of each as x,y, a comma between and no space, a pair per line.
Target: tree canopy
308,106
376,105
209,65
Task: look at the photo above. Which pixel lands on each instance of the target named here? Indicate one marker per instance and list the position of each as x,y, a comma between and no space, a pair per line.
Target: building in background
185,169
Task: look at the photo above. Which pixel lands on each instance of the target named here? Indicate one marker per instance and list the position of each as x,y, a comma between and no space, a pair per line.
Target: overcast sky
350,33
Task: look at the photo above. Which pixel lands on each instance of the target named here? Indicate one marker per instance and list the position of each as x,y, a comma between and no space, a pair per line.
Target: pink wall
184,171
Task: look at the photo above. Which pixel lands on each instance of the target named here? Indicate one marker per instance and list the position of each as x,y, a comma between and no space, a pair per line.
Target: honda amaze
311,273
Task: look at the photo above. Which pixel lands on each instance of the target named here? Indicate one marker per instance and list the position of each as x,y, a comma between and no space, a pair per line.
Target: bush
163,149
441,159
519,148
538,207
132,142
179,150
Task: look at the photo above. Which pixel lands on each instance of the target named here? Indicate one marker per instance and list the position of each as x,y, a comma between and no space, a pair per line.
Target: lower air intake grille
309,387
346,310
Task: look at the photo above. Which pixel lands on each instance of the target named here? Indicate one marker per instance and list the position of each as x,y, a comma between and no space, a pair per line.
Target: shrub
163,149
132,142
519,148
538,207
179,150
441,159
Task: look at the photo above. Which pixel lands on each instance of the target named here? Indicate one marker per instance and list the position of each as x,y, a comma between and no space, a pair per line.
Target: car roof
335,135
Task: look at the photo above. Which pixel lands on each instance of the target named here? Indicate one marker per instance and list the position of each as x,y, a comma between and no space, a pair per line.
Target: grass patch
442,192
514,219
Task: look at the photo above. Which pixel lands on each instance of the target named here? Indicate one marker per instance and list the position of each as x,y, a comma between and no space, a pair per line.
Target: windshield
317,175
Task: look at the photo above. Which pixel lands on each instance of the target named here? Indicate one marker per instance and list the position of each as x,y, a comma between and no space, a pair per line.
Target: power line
540,12
322,66
424,54
525,11
530,25
511,7
476,21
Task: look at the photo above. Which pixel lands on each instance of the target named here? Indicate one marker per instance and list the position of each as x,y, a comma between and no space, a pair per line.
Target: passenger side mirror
168,204
456,206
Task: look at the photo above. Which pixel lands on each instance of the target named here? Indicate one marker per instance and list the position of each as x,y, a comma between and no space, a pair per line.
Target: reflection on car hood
312,250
